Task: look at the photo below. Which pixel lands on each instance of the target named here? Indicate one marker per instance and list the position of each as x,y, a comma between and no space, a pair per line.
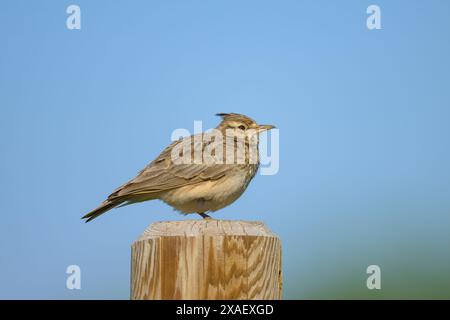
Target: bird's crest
236,117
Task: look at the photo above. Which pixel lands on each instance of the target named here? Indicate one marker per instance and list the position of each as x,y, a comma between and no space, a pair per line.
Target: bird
196,186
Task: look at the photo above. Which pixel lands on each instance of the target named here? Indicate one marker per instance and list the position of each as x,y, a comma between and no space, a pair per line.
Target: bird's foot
205,216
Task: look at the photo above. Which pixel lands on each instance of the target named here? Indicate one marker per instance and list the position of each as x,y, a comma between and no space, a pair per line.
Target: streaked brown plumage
193,187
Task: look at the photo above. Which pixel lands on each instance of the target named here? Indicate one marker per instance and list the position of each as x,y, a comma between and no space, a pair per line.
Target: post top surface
192,228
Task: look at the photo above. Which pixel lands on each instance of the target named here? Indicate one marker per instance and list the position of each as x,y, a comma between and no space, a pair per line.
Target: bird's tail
105,206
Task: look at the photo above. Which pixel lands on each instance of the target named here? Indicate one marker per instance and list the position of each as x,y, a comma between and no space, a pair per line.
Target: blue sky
364,135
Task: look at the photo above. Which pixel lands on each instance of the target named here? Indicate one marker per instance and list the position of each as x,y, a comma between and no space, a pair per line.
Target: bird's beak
265,127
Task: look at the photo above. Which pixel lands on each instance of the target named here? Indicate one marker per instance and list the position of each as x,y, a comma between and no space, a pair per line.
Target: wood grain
206,259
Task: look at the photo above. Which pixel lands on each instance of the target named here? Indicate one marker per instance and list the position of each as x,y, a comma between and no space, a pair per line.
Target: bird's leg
204,215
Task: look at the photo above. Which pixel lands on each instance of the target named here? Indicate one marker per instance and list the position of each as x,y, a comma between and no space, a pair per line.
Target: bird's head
240,122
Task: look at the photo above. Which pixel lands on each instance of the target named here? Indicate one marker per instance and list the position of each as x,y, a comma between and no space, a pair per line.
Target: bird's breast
209,195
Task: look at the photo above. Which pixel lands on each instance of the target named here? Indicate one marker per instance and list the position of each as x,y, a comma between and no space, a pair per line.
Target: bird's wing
163,174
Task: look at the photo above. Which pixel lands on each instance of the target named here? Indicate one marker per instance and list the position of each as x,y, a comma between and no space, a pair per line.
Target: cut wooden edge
192,228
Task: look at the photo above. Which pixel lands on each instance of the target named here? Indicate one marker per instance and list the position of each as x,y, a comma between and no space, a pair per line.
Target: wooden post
206,259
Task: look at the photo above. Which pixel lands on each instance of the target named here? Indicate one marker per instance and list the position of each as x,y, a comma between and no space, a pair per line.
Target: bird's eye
241,127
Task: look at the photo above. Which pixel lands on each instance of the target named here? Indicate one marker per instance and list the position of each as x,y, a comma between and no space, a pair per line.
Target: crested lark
193,175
